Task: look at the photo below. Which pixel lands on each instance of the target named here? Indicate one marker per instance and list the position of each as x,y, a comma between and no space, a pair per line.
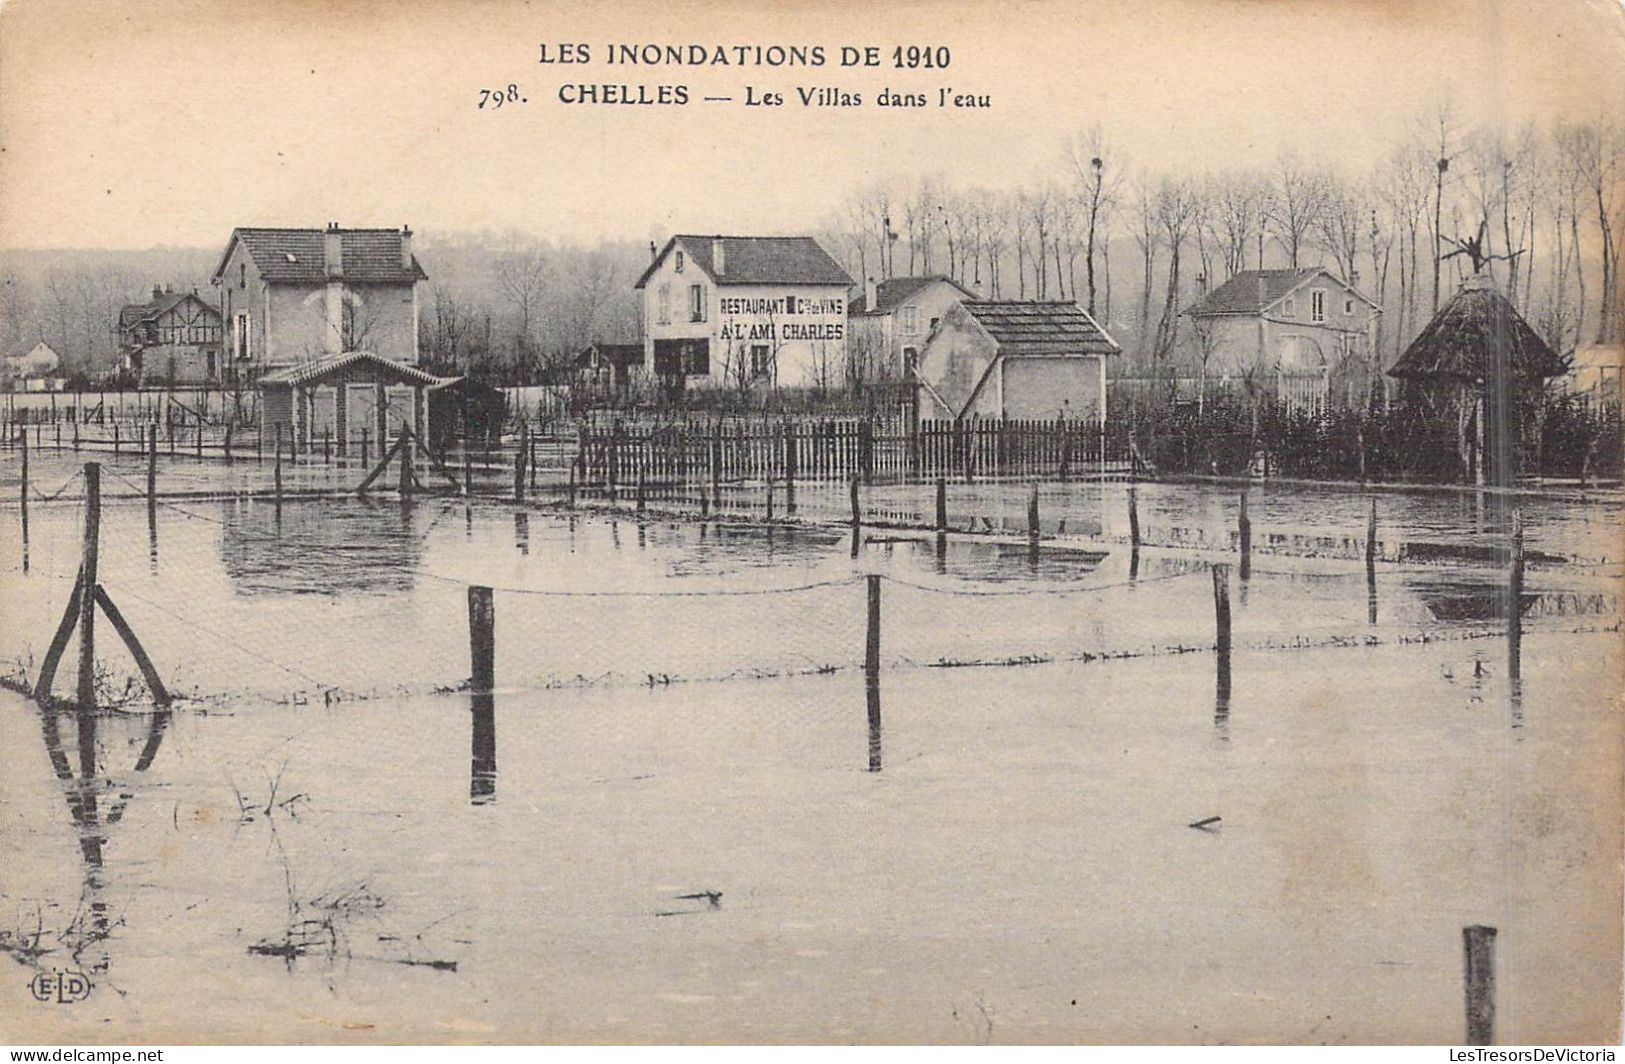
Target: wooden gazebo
347,398
1481,364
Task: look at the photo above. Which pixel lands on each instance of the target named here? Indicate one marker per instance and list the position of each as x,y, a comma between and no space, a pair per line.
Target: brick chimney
333,250
406,248
333,255
157,292
719,257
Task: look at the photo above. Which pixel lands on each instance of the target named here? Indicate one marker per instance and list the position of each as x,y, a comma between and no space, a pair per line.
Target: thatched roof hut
1462,342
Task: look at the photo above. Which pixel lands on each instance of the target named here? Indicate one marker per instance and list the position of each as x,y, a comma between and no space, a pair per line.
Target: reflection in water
482,771
1134,563
942,553
152,536
360,546
87,935
521,531
872,689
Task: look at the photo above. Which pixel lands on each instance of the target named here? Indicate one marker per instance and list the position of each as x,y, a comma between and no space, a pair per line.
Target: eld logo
62,988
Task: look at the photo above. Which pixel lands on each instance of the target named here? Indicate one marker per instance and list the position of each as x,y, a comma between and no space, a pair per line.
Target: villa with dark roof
1296,331
891,321
173,338
300,306
1011,359
743,312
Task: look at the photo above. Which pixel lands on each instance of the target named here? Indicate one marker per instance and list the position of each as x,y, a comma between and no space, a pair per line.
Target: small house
172,338
889,324
605,369
1593,376
743,312
1303,336
1010,359
32,367
350,398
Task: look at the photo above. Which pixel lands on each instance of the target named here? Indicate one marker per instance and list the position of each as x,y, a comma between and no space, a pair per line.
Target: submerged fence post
277,468
1478,944
87,586
1371,564
857,511
519,466
1515,601
481,639
23,496
1133,519
1244,532
1032,515
942,504
871,670
1221,623
770,499
152,467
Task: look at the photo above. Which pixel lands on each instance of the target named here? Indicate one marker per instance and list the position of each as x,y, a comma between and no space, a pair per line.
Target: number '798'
494,98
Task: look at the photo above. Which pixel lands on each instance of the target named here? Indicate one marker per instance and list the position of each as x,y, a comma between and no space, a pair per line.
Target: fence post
481,639
770,498
152,467
942,504
857,512
87,588
1244,530
519,466
1515,601
76,428
115,438
407,477
871,670
277,468
791,461
1478,943
198,450
228,441
468,462
1133,519
1371,564
1032,515
366,441
1221,622
23,492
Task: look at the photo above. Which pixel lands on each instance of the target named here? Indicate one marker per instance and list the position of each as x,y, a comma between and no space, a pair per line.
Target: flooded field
683,817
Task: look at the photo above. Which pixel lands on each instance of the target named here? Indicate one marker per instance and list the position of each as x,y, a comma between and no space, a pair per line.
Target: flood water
682,817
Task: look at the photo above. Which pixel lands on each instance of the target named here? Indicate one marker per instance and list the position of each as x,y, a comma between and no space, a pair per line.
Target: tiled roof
1460,343
298,256
1022,328
757,260
895,290
132,313
305,372
1243,293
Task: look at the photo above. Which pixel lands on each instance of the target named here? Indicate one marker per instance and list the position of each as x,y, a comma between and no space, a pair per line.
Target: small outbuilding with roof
994,358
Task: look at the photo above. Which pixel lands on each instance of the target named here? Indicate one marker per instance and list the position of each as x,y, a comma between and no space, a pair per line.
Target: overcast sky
130,124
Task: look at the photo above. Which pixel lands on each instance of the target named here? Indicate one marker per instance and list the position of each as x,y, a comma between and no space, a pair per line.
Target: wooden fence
837,449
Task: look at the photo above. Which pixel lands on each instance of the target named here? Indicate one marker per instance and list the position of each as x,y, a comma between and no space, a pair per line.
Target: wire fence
328,600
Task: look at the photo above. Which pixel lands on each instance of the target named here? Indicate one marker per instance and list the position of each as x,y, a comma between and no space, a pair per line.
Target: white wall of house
791,335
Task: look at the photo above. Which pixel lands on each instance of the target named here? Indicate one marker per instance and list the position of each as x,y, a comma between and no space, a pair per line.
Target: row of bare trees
1540,207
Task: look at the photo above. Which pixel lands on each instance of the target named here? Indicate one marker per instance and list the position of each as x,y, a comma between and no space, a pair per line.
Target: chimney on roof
169,289
654,252
157,292
406,248
1263,291
719,257
333,250
1354,279
871,294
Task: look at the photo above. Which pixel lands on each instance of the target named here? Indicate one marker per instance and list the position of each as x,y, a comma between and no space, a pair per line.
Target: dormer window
679,262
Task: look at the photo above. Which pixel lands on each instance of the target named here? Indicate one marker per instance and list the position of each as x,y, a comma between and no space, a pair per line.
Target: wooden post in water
519,467
1515,602
198,450
152,468
871,670
408,481
1221,623
76,428
857,510
1371,564
530,462
115,437
468,464
22,496
366,445
277,469
1032,515
1244,532
791,461
228,441
482,615
1133,519
87,587
770,499
172,432
327,447
942,504
1478,943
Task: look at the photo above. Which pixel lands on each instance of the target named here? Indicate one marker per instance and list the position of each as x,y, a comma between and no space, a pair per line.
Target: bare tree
1297,202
